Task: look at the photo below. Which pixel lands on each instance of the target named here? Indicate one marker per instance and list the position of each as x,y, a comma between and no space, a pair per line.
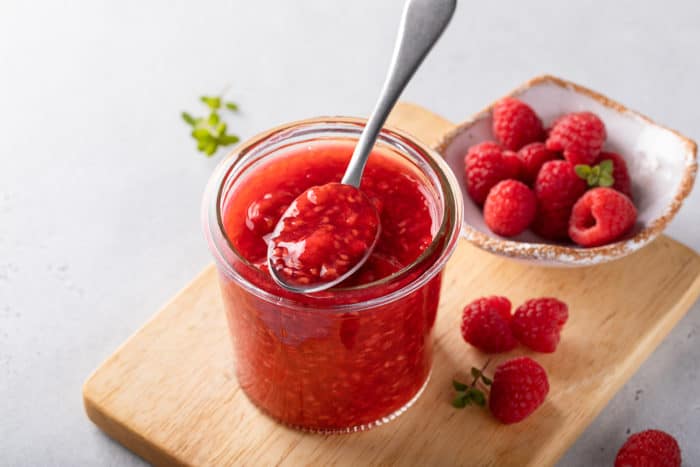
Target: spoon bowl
323,237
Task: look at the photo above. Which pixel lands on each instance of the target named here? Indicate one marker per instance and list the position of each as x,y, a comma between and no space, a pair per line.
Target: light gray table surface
100,185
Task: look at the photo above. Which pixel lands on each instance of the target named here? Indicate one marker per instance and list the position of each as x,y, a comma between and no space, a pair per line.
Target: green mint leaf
212,102
458,386
607,170
606,166
606,180
189,119
598,175
220,129
460,401
213,119
476,396
232,106
210,148
487,381
583,171
226,140
202,145
201,133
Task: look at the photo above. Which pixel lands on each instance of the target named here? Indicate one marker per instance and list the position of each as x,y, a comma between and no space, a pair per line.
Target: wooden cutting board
170,395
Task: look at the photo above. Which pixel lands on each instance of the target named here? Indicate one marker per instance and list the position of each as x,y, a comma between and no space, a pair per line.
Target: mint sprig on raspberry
471,394
600,175
518,388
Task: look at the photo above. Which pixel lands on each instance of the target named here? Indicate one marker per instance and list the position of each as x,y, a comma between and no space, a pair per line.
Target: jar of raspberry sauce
357,355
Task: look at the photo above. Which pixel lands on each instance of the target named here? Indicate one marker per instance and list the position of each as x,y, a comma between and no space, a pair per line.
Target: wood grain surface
170,395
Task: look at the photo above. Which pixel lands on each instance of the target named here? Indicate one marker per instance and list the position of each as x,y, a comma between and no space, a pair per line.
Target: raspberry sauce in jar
356,355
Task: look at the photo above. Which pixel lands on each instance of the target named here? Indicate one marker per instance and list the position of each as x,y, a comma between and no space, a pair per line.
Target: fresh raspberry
486,325
513,163
548,130
579,135
620,174
519,387
650,448
509,208
538,322
484,166
601,216
557,188
515,124
533,156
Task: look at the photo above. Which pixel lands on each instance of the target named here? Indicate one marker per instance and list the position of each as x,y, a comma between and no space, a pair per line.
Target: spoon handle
422,23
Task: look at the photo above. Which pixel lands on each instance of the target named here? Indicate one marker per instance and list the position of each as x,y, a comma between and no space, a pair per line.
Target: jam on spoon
324,235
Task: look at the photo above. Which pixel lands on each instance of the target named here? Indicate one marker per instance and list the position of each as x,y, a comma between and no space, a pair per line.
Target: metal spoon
422,24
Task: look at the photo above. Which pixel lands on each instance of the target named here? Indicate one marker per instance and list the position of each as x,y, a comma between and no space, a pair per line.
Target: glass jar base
353,429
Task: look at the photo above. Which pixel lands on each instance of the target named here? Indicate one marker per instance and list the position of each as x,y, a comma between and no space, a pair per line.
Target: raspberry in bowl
606,180
356,355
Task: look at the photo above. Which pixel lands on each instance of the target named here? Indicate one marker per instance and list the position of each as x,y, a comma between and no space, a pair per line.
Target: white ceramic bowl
662,165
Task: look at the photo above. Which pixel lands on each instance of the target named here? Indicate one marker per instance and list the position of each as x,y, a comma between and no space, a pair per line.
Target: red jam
325,233
302,358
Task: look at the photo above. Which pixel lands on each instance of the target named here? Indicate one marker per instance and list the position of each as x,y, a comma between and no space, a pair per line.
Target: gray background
100,184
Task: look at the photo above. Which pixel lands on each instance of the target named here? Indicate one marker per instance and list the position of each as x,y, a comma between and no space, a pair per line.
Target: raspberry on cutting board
650,448
519,387
557,188
509,208
601,216
538,322
486,325
515,124
580,136
484,166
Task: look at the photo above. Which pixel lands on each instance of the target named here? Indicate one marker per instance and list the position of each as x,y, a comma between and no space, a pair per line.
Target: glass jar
348,358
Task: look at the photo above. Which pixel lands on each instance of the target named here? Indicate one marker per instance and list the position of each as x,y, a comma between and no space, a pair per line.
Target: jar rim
446,236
